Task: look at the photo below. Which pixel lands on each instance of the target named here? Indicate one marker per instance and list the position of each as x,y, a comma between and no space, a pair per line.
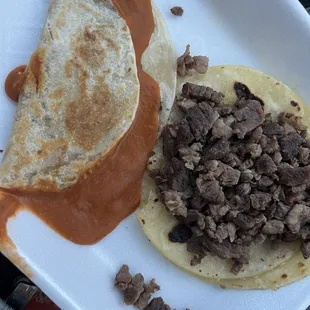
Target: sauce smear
14,82
94,206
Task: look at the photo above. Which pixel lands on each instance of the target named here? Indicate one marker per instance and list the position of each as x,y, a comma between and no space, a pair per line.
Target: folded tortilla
268,267
81,93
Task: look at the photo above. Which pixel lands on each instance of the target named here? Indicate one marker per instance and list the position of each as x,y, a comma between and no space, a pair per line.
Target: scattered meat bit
177,10
201,64
138,293
180,233
236,267
143,300
186,62
123,278
134,290
152,287
234,176
157,304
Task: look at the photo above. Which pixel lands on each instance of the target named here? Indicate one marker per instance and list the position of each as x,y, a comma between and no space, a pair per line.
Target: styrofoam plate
270,35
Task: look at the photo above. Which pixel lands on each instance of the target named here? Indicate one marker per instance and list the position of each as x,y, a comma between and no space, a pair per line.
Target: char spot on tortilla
243,92
101,115
35,72
57,93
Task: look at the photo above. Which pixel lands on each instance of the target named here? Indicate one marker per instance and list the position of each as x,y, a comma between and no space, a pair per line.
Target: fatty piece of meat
296,217
220,129
218,150
254,149
273,227
123,278
190,155
211,191
294,176
174,203
201,64
133,292
265,165
202,93
290,145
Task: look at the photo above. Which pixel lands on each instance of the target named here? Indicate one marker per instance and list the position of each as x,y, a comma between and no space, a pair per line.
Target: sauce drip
95,205
14,82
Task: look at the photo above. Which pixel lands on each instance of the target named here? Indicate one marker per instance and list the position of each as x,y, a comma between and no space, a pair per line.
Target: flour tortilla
81,93
265,262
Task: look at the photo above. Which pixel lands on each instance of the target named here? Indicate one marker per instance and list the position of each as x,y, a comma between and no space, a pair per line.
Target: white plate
271,35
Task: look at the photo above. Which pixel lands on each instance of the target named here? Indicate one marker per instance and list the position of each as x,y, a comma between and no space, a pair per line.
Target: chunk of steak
294,176
265,165
210,190
273,227
201,93
290,145
177,10
174,203
296,217
218,150
123,278
133,292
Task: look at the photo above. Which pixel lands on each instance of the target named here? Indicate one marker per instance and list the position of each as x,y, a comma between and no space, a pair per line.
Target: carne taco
81,93
226,194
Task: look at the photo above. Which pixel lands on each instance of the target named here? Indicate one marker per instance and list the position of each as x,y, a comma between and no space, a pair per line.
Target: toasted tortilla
81,94
157,222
